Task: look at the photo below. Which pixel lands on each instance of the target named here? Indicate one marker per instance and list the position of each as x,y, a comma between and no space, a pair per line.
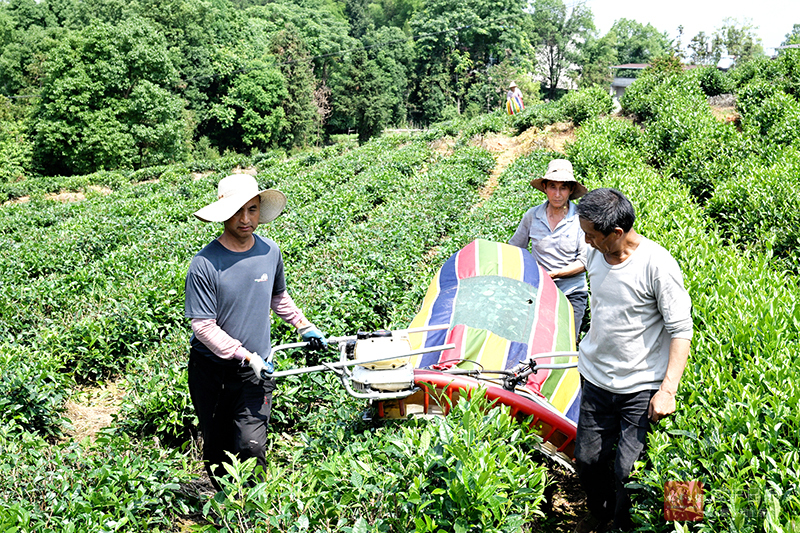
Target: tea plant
111,484
471,471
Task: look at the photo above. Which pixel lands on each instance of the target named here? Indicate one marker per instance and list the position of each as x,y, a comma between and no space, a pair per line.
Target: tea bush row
474,470
741,176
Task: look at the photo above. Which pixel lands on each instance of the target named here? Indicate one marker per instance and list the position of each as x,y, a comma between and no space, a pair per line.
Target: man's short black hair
607,209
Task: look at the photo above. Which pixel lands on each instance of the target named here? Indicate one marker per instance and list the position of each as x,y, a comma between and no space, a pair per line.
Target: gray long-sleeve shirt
637,308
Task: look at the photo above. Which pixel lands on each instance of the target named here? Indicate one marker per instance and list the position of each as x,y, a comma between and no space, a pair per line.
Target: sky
774,18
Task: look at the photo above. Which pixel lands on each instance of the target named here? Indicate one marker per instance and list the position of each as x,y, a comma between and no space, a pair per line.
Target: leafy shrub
158,402
711,154
470,471
673,102
758,68
113,483
789,62
482,124
586,104
682,115
32,393
752,96
643,96
604,146
478,476
776,119
537,115
762,209
712,81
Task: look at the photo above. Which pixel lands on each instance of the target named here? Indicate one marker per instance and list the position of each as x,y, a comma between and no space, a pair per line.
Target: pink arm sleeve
284,307
220,343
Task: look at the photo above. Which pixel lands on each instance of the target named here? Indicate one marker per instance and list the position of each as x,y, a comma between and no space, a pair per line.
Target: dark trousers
233,407
578,300
607,419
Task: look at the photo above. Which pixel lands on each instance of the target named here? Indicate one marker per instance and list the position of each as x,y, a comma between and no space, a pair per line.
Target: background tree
738,39
638,43
705,50
559,36
392,51
394,13
360,98
296,67
106,102
793,37
251,114
457,41
200,36
322,26
789,61
358,16
25,42
597,55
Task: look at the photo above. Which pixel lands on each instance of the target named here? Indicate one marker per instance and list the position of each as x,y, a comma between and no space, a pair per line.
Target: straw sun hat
236,190
560,170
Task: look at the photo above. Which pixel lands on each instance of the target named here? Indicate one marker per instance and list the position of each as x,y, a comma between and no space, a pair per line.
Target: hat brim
578,191
273,202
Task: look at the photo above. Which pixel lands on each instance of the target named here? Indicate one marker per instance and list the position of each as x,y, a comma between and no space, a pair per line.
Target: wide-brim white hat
236,190
561,170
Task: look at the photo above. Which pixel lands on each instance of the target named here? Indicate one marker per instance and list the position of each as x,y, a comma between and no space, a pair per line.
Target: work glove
255,362
314,337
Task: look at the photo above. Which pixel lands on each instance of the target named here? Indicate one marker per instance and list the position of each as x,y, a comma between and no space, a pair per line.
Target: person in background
514,102
633,356
231,285
554,233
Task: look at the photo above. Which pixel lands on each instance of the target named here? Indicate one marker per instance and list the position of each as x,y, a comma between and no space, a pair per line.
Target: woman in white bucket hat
231,285
554,231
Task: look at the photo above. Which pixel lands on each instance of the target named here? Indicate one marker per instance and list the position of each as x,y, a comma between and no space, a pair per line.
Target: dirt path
508,149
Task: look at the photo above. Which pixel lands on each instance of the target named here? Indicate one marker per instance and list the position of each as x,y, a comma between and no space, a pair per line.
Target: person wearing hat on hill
231,285
554,231
514,102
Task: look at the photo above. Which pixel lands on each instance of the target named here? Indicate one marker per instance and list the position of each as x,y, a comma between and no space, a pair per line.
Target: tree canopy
99,84
638,43
557,33
106,101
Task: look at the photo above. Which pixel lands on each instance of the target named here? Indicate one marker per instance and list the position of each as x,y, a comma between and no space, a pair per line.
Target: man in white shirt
633,356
